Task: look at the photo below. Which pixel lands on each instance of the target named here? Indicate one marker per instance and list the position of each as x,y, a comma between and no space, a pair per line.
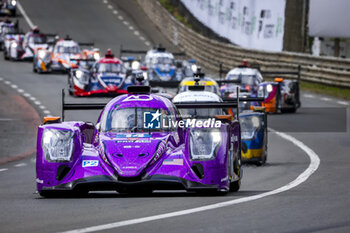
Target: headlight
135,65
203,143
269,88
97,56
14,45
79,74
194,68
249,126
57,145
41,54
13,2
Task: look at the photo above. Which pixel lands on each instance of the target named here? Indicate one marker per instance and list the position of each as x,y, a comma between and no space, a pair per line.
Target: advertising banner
252,24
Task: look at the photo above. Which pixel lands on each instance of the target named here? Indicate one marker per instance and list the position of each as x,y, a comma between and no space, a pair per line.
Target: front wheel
235,186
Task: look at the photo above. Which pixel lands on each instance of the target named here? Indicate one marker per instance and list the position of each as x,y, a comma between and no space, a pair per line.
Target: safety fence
210,53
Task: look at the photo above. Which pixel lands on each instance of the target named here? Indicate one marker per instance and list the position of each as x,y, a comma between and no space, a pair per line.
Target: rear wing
87,44
133,51
79,106
296,73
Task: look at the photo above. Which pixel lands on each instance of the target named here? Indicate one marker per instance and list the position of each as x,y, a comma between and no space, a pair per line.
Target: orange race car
63,55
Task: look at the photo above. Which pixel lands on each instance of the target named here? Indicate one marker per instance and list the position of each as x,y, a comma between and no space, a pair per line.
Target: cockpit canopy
67,49
136,119
110,68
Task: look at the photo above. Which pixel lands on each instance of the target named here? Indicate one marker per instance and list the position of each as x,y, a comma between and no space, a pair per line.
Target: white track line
6,119
20,8
326,99
115,12
343,102
110,7
314,163
3,169
120,17
28,96
20,165
309,96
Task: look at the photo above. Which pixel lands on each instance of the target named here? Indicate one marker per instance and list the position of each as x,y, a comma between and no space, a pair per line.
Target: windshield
249,80
37,39
165,60
68,49
250,124
135,119
9,30
200,112
110,67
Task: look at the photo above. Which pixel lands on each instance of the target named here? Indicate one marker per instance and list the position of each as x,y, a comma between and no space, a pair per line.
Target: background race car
63,55
78,156
280,95
107,76
7,30
23,47
8,7
245,77
162,68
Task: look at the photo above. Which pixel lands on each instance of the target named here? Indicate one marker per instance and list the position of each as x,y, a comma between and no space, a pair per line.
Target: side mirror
279,80
51,120
98,126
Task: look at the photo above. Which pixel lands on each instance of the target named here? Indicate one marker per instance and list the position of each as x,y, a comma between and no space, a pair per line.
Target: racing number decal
138,98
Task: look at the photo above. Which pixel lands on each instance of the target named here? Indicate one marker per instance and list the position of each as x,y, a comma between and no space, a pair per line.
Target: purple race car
139,144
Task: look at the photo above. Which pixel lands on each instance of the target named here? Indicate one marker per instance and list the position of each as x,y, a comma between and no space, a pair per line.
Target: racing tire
5,55
263,158
235,186
289,110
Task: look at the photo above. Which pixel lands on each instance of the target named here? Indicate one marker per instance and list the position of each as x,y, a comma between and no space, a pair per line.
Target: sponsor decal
152,120
39,181
179,162
90,163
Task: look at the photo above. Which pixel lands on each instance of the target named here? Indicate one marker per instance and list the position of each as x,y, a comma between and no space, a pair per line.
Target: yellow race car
209,84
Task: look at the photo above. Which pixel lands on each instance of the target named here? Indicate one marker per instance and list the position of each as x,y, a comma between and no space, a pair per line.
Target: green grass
325,89
338,92
175,12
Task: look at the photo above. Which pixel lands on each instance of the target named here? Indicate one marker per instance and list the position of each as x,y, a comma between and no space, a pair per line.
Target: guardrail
210,53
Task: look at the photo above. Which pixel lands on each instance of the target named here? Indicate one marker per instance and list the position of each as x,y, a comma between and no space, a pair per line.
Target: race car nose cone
130,156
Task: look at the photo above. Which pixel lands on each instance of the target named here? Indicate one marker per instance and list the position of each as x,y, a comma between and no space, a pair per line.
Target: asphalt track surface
320,204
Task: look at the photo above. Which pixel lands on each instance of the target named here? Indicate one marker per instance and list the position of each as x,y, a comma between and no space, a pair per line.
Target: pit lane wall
210,53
